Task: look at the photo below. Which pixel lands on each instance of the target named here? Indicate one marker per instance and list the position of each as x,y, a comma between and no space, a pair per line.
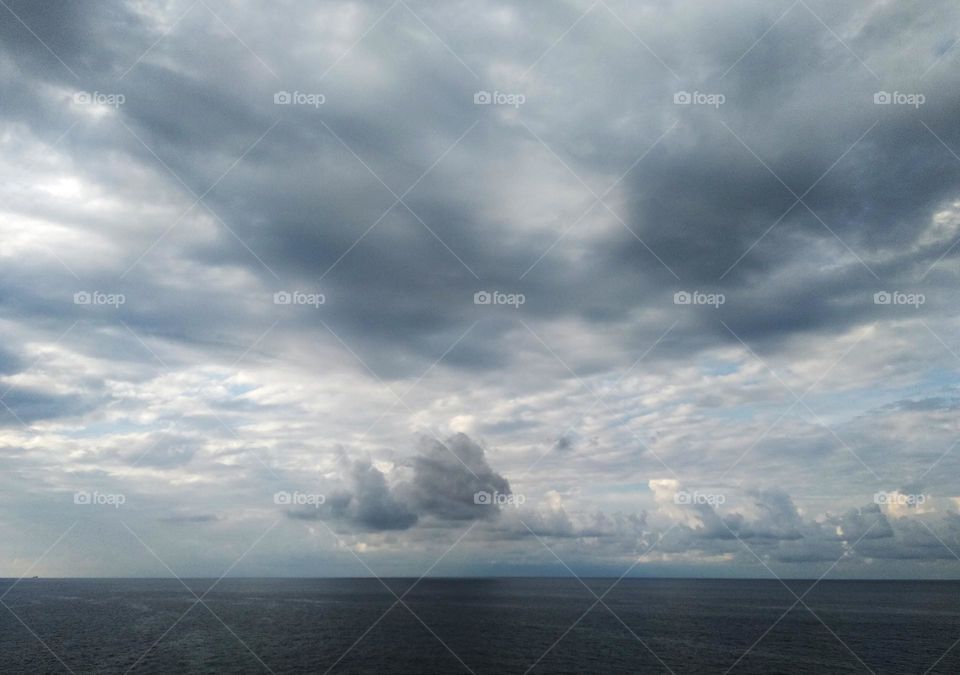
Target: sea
494,625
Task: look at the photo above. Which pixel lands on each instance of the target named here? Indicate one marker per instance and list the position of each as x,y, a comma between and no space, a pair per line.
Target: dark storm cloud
700,200
446,477
371,504
368,505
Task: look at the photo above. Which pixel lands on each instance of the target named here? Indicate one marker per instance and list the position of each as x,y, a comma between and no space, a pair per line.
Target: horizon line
468,578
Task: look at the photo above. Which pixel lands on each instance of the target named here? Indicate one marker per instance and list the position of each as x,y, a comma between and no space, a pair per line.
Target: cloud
369,504
447,476
186,519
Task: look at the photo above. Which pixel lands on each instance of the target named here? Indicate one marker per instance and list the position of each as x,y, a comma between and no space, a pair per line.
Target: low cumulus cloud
451,482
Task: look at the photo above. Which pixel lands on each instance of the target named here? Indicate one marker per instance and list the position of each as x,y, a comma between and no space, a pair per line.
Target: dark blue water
491,625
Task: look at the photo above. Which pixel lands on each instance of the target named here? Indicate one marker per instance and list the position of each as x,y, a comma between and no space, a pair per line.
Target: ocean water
478,625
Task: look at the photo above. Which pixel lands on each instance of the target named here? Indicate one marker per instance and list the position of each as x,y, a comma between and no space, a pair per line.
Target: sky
479,288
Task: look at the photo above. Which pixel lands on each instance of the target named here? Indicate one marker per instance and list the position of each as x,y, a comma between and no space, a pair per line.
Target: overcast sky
341,288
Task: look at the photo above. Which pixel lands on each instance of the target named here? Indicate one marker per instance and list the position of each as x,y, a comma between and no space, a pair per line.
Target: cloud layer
674,282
